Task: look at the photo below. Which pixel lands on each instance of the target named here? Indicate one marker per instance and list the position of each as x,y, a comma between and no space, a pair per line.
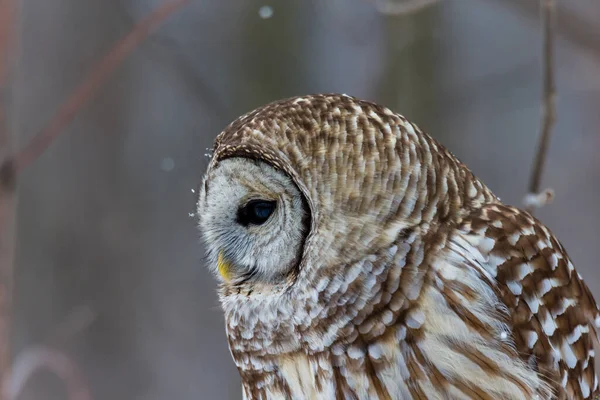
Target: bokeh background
103,226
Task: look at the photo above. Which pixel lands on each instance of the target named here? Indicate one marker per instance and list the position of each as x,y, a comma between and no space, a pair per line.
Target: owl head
296,181
305,198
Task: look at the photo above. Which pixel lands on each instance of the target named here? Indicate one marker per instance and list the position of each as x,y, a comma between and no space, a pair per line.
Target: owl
360,259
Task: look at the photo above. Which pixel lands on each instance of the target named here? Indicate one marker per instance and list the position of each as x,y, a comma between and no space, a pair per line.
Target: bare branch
32,359
548,99
166,47
94,81
7,221
402,7
36,358
7,17
7,186
47,357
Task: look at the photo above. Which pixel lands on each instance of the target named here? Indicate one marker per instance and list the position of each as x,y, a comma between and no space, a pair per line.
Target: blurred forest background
109,265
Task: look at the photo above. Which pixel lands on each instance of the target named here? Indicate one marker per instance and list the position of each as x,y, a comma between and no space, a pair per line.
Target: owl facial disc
254,221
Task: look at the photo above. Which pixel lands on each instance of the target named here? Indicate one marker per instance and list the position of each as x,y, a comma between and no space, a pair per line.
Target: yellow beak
224,267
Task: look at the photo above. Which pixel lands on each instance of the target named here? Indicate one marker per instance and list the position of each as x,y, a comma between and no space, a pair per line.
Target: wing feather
553,315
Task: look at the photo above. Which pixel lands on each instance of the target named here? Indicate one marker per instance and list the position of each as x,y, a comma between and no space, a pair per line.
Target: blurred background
109,265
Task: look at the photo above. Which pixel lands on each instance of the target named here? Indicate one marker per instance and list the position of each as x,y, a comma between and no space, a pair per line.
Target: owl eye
255,212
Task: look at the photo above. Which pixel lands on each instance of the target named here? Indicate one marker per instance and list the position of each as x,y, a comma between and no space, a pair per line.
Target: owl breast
453,340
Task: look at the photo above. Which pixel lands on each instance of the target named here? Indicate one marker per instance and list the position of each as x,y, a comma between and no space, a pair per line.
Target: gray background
103,215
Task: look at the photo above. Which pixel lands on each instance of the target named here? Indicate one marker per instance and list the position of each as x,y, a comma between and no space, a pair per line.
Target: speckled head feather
414,281
368,170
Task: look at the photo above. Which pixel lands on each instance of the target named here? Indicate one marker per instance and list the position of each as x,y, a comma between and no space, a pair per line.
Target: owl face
254,221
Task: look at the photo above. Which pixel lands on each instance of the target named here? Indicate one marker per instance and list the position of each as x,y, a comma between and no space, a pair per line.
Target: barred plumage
376,266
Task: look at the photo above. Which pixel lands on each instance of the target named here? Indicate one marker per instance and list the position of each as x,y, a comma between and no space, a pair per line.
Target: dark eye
255,212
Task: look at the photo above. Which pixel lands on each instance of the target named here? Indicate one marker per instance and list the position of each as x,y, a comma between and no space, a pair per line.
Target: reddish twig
7,14
403,7
548,108
36,358
7,202
94,81
7,187
47,357
44,357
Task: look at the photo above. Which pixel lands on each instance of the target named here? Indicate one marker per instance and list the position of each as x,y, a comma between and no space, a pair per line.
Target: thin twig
549,102
94,81
7,187
36,358
48,357
7,240
164,46
32,359
390,7
7,16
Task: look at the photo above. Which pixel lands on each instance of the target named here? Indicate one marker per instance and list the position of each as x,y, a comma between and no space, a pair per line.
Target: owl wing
551,311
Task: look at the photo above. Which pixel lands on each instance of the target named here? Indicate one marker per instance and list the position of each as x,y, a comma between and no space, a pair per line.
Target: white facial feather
267,251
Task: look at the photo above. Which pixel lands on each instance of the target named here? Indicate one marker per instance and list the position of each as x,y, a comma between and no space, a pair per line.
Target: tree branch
47,357
36,358
94,81
548,111
32,359
390,7
7,186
